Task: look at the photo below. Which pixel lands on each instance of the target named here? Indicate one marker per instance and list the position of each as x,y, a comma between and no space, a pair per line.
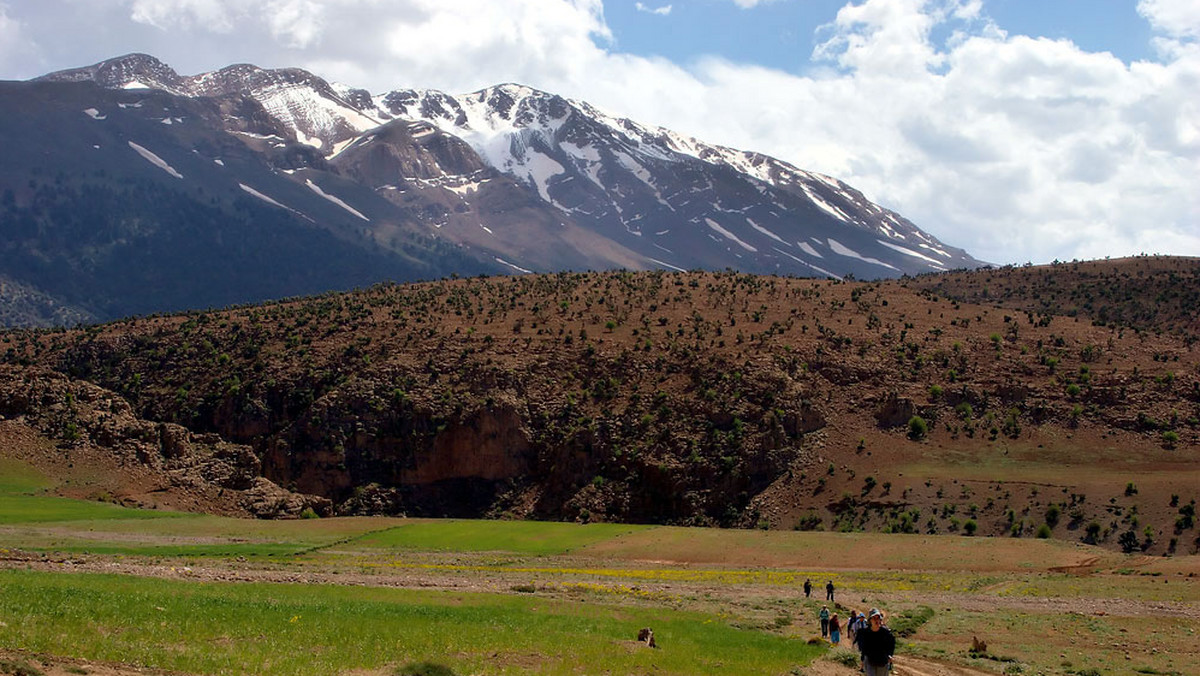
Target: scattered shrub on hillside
1128,541
1186,518
907,623
18,668
424,669
1130,489
846,659
1043,531
917,428
1052,515
970,527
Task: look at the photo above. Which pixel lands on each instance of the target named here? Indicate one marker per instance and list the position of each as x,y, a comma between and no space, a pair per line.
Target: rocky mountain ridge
669,200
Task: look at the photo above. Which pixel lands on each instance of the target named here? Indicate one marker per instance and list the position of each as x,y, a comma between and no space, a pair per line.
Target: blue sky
782,34
1020,130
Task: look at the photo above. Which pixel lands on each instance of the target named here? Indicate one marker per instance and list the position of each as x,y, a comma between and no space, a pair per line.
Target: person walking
807,588
835,630
824,615
829,590
850,626
877,645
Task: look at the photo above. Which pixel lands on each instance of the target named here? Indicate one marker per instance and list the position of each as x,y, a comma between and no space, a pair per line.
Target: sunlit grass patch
41,509
19,478
537,538
297,629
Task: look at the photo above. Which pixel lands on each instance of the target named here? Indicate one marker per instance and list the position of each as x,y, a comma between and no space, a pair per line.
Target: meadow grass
21,501
16,509
216,628
1064,643
19,478
536,538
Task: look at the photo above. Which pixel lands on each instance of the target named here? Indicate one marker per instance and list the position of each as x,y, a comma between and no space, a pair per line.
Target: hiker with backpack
877,645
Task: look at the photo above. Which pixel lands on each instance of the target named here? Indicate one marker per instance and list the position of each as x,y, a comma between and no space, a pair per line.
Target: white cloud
1177,18
213,15
13,43
661,11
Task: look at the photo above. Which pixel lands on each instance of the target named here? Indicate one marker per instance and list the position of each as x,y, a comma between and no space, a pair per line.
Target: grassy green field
327,629
517,537
199,594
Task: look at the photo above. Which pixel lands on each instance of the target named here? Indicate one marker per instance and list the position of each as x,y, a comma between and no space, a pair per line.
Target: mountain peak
126,71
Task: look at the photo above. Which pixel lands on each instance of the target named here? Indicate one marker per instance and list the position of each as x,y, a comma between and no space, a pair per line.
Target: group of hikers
869,633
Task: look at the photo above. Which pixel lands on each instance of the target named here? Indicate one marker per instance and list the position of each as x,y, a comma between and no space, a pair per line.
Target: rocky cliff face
171,463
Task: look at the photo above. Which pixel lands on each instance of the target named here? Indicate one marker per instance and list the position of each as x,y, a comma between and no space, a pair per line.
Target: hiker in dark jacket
877,645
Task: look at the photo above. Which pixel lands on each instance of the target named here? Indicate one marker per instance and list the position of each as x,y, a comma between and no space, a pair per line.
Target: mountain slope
120,202
673,201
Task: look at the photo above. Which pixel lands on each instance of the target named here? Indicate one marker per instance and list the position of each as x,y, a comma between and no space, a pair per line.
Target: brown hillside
697,398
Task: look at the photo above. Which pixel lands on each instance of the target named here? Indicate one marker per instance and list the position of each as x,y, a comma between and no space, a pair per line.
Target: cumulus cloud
1176,18
213,15
1013,147
661,11
11,37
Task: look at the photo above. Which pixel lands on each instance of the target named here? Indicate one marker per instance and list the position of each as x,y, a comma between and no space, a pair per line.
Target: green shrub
1052,515
424,669
847,659
917,428
18,668
907,623
1043,531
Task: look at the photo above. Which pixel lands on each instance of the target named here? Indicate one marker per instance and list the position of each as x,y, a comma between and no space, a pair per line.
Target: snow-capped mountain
417,182
677,201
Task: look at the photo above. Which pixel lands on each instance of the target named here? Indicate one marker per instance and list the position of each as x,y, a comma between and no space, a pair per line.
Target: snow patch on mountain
666,265
841,250
808,249
332,198
729,235
825,206
910,252
94,114
155,160
767,232
805,263
273,202
501,261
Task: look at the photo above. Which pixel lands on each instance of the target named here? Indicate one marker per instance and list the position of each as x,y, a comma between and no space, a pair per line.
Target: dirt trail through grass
912,666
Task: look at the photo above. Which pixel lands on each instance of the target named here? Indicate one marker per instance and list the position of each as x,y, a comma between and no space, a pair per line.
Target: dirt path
499,581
